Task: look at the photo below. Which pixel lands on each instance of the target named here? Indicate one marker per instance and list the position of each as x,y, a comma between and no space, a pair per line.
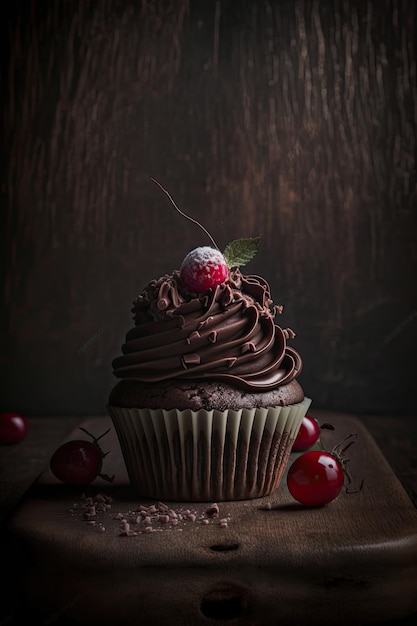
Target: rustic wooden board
354,561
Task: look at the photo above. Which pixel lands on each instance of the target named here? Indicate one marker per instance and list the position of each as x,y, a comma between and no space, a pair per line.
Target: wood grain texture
353,561
21,465
296,120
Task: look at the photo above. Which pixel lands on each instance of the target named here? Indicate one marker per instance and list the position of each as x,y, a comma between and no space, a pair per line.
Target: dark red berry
79,462
13,427
308,434
203,268
315,478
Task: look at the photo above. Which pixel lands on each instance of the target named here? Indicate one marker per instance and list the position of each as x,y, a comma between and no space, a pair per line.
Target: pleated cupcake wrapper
201,456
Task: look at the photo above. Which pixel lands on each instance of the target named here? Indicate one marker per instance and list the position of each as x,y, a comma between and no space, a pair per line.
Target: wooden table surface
20,465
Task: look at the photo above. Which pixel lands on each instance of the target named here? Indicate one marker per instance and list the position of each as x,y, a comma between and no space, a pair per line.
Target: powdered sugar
203,268
205,257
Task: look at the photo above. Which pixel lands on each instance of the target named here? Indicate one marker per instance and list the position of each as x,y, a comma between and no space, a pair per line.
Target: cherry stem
184,214
347,490
95,439
339,450
109,479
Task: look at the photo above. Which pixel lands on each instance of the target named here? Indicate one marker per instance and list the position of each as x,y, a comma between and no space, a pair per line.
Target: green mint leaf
241,251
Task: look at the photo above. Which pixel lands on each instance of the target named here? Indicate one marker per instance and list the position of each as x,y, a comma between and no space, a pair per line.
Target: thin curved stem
182,212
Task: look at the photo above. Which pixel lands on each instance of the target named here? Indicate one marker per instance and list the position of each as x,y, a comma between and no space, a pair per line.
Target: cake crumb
128,533
213,510
145,518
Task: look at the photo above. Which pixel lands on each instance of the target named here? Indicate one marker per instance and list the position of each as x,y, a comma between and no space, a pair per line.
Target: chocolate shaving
190,359
288,333
194,335
248,347
212,336
162,304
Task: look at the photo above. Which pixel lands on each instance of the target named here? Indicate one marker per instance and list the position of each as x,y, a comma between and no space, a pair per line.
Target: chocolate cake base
198,394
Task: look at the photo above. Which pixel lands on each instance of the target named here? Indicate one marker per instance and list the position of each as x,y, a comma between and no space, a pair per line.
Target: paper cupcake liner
200,456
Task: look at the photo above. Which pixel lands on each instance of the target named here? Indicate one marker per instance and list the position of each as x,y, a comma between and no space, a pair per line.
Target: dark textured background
296,120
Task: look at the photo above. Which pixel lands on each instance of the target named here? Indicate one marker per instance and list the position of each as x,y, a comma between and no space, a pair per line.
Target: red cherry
13,427
308,434
203,268
315,478
79,462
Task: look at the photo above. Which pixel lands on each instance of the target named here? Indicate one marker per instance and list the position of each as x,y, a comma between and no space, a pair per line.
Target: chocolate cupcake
208,404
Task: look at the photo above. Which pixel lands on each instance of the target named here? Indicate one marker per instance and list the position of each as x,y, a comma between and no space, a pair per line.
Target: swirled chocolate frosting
227,333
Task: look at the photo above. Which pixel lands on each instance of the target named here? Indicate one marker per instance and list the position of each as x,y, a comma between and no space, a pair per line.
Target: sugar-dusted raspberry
203,268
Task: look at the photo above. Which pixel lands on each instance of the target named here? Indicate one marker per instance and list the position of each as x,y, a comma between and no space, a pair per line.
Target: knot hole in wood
224,603
224,547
